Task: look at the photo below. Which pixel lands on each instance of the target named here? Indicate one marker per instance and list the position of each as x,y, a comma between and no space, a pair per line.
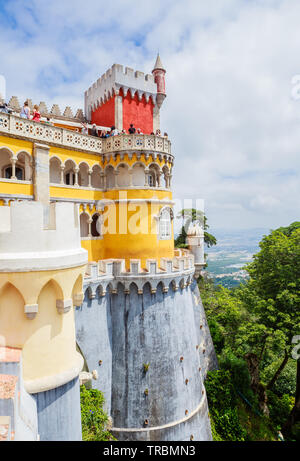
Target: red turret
159,77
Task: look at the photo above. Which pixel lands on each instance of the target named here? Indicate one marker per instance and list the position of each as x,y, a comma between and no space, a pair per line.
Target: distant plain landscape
235,248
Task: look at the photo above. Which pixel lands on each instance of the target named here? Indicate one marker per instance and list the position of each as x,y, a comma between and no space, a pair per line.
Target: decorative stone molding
105,275
31,310
64,305
189,415
78,299
51,382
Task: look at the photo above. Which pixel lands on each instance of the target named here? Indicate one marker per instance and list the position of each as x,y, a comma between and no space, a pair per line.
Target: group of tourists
115,132
36,117
25,112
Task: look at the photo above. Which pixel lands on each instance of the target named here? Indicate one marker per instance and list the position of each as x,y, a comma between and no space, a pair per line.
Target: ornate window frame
164,224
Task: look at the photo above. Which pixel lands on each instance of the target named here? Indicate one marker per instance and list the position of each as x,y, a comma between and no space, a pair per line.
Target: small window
151,180
165,225
70,178
19,173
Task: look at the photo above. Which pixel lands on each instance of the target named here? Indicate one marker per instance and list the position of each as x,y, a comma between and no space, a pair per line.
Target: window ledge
92,238
53,184
15,181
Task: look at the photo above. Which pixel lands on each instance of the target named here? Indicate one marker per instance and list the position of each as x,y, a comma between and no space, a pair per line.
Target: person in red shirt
36,115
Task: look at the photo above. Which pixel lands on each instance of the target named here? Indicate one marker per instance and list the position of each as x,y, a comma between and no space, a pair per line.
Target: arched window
165,224
138,175
123,176
96,179
70,173
83,175
110,177
96,226
19,173
151,179
55,170
70,178
84,225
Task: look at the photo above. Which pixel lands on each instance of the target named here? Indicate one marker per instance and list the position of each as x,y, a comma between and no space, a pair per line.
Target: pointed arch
96,225
55,170
123,179
55,286
96,177
138,174
84,224
12,316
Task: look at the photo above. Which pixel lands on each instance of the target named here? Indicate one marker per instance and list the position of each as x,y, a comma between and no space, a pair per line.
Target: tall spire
158,64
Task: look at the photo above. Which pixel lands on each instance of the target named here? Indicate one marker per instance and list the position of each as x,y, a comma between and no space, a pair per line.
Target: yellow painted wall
76,156
16,145
48,341
15,188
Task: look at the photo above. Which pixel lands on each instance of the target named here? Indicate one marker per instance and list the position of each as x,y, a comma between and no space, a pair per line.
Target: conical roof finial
158,63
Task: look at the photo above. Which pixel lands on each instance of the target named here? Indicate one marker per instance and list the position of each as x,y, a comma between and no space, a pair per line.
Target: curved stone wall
147,347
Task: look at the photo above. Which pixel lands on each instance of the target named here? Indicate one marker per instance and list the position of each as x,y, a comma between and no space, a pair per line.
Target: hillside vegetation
254,329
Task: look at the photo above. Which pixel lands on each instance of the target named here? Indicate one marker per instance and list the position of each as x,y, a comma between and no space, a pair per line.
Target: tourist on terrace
25,113
104,134
131,129
158,133
94,131
36,116
123,132
49,122
4,108
85,129
114,131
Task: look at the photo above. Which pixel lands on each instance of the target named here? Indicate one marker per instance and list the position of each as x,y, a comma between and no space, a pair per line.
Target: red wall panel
105,115
140,113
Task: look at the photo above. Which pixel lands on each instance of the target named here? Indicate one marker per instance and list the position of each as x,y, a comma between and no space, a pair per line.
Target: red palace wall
140,113
105,115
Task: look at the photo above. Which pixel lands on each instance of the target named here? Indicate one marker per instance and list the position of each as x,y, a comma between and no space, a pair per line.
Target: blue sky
234,125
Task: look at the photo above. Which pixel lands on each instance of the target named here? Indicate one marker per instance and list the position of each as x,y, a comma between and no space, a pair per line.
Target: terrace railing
41,132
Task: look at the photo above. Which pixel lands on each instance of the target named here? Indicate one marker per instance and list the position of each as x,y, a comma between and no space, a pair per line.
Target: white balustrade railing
42,132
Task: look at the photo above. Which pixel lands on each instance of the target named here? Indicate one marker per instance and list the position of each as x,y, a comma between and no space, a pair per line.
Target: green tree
275,280
189,215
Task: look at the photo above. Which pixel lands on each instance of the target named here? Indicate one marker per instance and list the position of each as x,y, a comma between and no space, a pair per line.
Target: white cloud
234,126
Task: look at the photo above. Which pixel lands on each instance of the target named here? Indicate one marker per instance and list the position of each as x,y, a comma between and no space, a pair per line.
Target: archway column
90,221
130,178
13,168
62,170
159,174
76,177
90,178
116,178
146,177
103,176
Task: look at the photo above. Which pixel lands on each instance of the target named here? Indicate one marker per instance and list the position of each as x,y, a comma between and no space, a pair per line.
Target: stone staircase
18,411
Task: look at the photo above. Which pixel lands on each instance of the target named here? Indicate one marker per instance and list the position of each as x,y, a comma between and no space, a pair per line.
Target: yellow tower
41,274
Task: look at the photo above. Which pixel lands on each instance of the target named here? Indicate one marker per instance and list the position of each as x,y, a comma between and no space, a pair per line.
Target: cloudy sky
232,111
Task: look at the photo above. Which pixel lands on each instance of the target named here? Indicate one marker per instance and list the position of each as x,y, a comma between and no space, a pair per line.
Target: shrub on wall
93,418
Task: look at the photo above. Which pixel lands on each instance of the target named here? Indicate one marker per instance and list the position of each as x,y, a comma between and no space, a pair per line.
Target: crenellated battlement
115,79
105,275
36,237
